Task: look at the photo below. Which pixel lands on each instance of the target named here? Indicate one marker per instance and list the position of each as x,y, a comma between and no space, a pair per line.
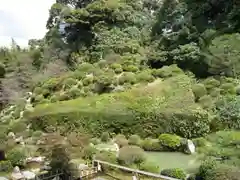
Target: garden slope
166,106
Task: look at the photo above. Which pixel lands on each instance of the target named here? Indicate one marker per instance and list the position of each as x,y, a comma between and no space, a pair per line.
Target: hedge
165,107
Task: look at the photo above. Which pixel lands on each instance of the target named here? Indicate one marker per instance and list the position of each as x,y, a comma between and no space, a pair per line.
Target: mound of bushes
170,109
129,155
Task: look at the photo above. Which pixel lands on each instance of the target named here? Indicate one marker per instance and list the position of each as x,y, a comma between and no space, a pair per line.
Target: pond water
174,160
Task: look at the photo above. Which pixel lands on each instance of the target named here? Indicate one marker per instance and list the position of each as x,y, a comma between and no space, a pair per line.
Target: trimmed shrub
199,90
145,166
69,82
121,140
134,140
200,142
106,156
5,166
145,76
88,152
211,83
170,141
105,137
149,144
127,77
205,101
38,90
18,127
206,168
16,157
215,92
237,89
131,68
95,141
129,155
74,92
164,72
228,88
175,173
87,80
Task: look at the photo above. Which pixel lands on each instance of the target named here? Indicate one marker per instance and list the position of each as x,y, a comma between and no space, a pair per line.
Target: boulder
16,174
28,174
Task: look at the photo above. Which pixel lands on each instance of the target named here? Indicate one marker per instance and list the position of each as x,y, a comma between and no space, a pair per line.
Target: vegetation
158,73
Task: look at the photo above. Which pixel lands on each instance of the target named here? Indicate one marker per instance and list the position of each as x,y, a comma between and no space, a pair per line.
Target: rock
3,178
191,146
11,135
28,174
38,159
19,140
16,174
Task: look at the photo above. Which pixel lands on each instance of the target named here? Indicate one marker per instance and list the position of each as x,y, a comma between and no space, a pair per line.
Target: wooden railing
88,172
135,171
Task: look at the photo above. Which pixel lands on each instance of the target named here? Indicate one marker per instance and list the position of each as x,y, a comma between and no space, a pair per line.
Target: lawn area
167,160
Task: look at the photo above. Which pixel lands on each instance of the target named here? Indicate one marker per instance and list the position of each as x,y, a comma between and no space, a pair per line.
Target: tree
60,161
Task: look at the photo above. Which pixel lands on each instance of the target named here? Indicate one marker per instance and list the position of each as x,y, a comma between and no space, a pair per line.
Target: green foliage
149,167
17,157
121,140
88,152
173,111
134,140
228,111
105,137
228,88
199,90
18,127
106,156
205,101
175,173
169,141
5,166
149,144
129,155
61,160
211,83
127,77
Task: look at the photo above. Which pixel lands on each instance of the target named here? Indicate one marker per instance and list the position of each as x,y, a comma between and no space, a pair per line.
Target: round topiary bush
205,101
69,82
228,88
121,141
127,77
149,144
164,72
129,155
134,140
170,141
199,90
145,76
105,137
211,83
175,173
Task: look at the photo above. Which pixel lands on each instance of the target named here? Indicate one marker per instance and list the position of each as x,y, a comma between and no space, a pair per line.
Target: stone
191,146
16,174
11,135
28,174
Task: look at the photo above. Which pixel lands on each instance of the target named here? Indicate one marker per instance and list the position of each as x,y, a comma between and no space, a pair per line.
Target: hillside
163,72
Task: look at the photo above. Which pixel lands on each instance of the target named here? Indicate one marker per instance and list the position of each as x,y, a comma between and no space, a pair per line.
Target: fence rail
134,170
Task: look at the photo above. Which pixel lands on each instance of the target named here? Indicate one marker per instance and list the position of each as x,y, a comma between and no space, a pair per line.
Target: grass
167,160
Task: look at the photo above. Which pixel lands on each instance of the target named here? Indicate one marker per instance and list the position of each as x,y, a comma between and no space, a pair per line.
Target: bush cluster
175,173
170,141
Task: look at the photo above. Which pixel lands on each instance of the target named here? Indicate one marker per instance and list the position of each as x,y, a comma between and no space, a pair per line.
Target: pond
174,160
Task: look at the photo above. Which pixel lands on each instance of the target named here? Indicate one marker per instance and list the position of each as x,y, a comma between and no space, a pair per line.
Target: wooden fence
135,171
